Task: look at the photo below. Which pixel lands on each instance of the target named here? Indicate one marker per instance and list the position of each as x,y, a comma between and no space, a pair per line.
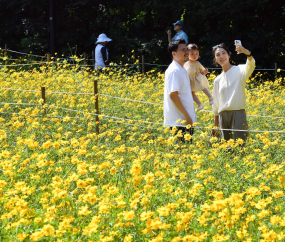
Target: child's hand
205,72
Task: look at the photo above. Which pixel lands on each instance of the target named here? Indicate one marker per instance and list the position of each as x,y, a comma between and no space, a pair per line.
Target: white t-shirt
229,88
177,79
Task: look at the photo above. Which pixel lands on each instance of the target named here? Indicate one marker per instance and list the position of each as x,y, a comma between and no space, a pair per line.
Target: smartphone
237,42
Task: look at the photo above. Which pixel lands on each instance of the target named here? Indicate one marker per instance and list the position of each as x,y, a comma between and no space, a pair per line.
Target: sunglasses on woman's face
218,46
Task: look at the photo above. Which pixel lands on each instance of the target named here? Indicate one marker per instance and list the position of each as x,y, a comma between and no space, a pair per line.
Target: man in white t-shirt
178,100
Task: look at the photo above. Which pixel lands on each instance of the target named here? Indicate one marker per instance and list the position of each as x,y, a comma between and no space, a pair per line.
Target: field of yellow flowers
60,181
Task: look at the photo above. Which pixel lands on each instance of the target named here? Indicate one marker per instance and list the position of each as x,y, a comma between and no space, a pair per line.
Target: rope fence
127,99
22,90
147,122
30,64
38,63
21,53
110,66
40,56
68,64
114,66
17,59
26,104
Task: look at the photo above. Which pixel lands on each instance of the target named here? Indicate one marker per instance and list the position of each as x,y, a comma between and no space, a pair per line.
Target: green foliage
142,24
182,16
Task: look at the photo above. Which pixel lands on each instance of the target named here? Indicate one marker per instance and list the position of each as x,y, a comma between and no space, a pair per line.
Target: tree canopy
142,25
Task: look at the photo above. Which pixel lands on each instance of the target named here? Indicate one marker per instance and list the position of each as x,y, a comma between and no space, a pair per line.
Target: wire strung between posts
23,90
34,104
73,93
250,115
159,104
71,59
21,53
151,64
264,69
107,66
84,112
105,95
123,65
157,123
243,130
62,117
68,64
42,56
38,63
16,59
129,99
211,68
46,62
6,88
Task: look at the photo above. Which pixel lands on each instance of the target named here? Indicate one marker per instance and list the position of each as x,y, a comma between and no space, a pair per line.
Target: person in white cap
101,52
180,32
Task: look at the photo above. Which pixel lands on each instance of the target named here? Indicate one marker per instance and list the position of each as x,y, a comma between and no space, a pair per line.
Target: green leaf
112,12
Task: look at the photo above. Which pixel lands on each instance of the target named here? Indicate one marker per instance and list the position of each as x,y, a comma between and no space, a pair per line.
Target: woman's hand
240,49
215,133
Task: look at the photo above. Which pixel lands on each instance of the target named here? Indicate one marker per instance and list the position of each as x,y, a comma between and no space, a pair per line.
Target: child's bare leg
207,92
196,99
209,95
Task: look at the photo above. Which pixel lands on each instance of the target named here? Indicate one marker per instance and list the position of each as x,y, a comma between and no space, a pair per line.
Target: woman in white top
229,93
101,52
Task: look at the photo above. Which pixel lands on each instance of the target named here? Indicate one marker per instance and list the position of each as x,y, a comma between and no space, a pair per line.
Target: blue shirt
181,35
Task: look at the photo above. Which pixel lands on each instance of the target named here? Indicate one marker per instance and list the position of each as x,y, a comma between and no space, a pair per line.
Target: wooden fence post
143,65
48,57
93,57
5,53
84,56
96,106
276,69
43,91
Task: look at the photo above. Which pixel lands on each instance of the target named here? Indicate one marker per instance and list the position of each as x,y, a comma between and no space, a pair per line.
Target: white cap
103,38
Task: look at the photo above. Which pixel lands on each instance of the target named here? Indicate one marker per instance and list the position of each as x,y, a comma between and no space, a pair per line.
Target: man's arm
176,100
169,35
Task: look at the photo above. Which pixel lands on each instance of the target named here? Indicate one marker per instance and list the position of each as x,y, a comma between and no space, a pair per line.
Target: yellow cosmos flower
129,215
22,237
